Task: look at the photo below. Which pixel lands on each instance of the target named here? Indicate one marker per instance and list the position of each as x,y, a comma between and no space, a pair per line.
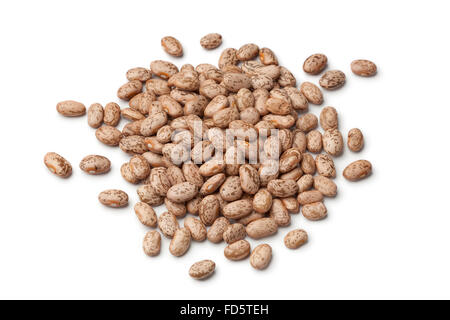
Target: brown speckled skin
261,256
95,164
312,93
131,114
298,100
364,68
148,195
238,250
112,114
163,69
177,209
262,201
129,90
249,178
212,184
314,211
238,209
231,189
228,57
314,141
234,232
209,210
308,164
236,81
180,243
267,57
182,192
291,205
278,106
307,122
295,239
168,224
262,81
158,86
95,115
325,185
215,232
282,188
113,198
152,243
247,52
333,142
140,167
332,79
146,214
71,108
192,174
358,170
325,166
315,63
286,78
196,227
172,46
153,123
262,228
202,269
280,214
108,135
139,73
211,41
305,183
58,165
133,145
159,181
127,174
329,118
310,196
355,141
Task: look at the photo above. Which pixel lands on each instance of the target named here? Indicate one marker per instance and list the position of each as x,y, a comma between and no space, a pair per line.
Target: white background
385,237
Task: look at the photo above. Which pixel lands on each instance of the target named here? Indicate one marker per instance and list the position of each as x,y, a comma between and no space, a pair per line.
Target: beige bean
153,144
249,179
307,122
305,183
355,141
175,175
157,86
152,243
58,165
312,93
358,170
146,214
129,90
177,209
291,205
211,41
299,141
209,210
236,81
278,106
143,102
113,198
131,114
267,57
325,166
315,63
202,269
234,232
314,211
148,195
133,145
238,250
212,167
168,224
196,228
298,100
180,242
314,141
71,108
325,185
95,164
141,74
212,184
279,213
333,142
262,81
238,209
250,115
250,218
228,57
282,188
280,122
261,256
151,125
95,115
182,192
155,160
295,239
328,118
111,114
286,79
163,69
308,164
294,174
140,167
262,201
231,189
132,128
247,52
364,68
261,96
193,205
332,79
224,117
268,171
171,106
159,181
216,231
172,46
308,197
127,174
262,228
